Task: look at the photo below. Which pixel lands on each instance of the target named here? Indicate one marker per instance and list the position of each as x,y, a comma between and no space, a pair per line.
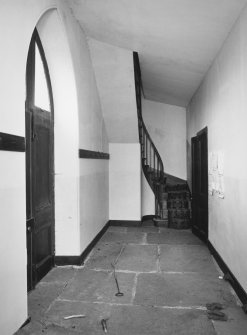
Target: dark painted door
39,168
200,184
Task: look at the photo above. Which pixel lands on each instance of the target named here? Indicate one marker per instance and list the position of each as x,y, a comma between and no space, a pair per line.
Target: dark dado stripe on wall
9,142
93,154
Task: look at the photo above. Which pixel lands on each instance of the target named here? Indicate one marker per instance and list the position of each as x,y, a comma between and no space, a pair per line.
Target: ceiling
177,40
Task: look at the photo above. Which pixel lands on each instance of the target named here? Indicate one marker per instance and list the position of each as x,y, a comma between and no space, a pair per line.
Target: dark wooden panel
9,142
42,192
93,154
79,260
196,231
42,125
39,172
200,184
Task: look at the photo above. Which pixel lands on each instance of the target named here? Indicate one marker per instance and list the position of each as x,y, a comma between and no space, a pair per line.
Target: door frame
30,92
202,235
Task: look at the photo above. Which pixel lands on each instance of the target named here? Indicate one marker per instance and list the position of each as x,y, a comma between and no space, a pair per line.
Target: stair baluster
152,164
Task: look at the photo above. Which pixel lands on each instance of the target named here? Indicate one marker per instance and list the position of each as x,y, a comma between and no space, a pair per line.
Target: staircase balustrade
152,164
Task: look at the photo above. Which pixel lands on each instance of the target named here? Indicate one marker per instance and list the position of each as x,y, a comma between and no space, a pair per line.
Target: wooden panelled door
39,165
199,145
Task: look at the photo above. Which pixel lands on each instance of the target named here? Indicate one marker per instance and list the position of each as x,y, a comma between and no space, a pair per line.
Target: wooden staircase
158,182
172,198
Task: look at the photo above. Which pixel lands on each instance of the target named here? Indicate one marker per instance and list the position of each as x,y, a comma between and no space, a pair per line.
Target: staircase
172,197
152,164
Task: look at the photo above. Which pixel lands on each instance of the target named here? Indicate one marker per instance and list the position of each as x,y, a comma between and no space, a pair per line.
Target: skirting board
231,278
149,217
28,320
79,260
125,223
198,233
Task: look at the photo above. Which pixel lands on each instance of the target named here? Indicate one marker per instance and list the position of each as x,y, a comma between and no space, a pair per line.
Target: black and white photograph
123,183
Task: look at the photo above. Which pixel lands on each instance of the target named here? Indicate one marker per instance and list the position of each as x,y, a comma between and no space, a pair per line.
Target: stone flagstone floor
167,277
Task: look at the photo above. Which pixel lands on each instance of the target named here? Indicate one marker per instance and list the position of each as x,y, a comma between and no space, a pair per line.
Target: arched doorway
39,164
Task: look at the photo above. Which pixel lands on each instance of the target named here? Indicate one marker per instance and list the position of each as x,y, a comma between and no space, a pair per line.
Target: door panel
42,190
39,175
29,214
200,184
41,159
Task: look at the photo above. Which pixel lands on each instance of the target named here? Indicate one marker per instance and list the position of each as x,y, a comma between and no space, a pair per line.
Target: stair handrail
153,145
152,163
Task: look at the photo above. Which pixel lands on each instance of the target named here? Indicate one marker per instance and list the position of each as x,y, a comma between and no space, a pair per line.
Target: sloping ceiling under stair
177,40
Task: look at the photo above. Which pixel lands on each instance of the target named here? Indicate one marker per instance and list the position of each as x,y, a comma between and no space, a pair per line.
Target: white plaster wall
56,48
114,72
13,258
125,181
220,104
94,198
93,173
77,109
147,197
166,125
